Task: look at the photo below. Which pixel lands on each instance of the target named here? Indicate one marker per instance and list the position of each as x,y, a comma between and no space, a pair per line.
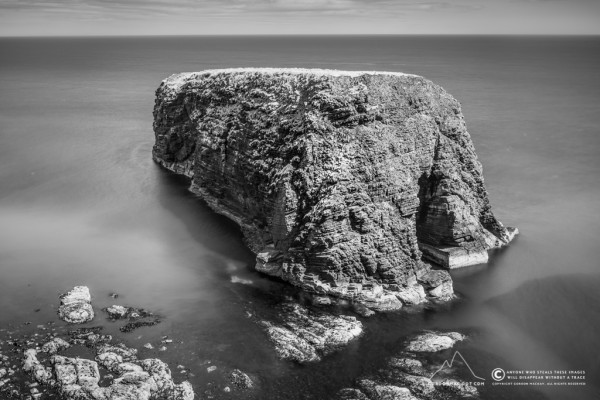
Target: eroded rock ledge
340,181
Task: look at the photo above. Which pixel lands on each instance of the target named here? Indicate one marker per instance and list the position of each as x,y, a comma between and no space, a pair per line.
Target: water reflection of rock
408,376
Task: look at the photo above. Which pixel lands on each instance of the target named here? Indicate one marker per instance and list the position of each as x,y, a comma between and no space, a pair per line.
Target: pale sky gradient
218,17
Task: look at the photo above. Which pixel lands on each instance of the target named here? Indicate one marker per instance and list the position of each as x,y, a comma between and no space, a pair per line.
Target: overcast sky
214,17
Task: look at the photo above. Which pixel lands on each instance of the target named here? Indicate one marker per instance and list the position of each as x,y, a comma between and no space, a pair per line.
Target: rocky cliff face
339,180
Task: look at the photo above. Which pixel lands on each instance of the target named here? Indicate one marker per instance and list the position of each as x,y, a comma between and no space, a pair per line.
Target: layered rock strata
340,181
304,335
76,306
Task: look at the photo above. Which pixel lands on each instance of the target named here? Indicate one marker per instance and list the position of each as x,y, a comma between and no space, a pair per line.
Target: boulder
438,284
412,295
55,345
32,366
433,342
75,306
240,380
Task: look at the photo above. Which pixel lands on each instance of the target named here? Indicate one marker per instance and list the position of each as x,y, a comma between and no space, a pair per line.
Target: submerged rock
334,177
116,311
432,341
78,378
377,391
240,380
89,337
407,377
306,336
137,317
122,312
457,388
75,306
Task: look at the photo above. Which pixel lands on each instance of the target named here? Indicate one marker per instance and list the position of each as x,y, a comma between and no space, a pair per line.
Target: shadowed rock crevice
338,180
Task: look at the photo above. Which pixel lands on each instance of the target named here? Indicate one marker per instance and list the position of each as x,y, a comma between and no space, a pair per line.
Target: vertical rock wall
339,180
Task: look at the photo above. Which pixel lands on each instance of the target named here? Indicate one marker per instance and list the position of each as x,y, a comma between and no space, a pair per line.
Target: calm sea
82,203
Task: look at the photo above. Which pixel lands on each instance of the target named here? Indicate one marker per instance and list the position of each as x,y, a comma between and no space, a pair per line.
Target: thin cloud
233,6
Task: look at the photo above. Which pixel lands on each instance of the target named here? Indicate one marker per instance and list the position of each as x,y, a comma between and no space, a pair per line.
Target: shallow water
82,203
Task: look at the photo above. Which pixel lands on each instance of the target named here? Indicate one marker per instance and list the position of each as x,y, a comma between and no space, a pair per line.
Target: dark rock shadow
214,231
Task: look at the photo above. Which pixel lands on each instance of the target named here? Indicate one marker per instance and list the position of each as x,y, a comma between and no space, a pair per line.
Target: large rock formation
338,180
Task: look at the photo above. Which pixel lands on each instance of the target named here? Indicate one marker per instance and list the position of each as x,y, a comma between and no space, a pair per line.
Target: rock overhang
340,180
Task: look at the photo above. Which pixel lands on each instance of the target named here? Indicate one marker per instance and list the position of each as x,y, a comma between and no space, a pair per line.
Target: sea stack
341,181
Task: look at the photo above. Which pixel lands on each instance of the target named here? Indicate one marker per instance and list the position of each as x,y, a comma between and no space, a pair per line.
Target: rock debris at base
406,377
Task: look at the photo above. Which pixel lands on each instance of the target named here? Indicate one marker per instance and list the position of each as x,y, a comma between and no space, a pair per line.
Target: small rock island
342,182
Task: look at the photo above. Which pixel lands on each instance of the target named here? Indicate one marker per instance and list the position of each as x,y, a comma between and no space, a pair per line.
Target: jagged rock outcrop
304,335
338,180
79,378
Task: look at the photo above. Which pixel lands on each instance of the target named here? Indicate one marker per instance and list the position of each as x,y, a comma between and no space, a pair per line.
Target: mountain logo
449,364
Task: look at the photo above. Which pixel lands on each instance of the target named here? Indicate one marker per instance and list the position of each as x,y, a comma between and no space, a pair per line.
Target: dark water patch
576,299
81,202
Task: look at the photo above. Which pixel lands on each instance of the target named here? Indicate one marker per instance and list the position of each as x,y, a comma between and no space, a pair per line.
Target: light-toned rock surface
75,306
432,341
78,378
306,336
55,345
405,376
240,380
32,366
438,284
334,177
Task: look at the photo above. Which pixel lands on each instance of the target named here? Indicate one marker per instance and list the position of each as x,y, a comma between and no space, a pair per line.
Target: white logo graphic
498,374
447,364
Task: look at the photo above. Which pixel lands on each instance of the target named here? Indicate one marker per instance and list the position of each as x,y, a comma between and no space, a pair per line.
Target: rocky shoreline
87,364
341,182
407,376
114,372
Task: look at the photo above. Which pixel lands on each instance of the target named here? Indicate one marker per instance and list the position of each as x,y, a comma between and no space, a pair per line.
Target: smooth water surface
81,202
